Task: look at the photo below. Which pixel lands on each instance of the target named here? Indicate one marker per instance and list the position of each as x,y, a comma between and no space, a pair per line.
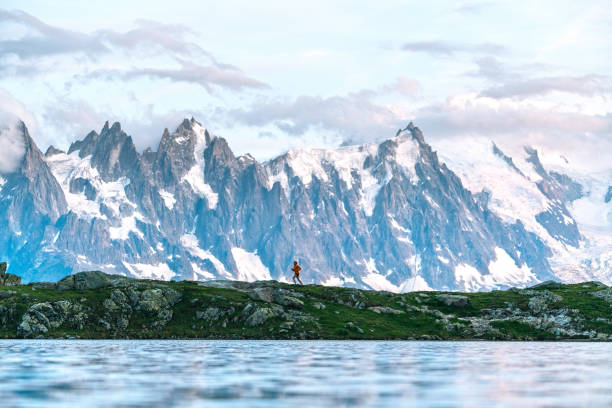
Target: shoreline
97,306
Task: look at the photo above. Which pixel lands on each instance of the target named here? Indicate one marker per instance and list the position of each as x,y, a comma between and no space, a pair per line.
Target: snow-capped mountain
390,215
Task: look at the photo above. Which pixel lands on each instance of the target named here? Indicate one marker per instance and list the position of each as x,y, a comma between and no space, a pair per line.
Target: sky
274,75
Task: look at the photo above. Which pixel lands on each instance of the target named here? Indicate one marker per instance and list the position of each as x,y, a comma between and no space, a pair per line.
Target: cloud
444,48
13,148
472,8
45,39
139,45
474,114
354,116
189,72
405,86
587,85
74,118
12,110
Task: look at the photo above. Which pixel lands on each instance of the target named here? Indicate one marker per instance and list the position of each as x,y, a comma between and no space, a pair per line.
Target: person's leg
294,279
299,280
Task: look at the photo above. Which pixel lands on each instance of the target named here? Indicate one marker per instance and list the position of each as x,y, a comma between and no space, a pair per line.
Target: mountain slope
389,216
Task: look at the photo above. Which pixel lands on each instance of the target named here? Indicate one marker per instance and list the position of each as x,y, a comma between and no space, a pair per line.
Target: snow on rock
159,271
415,284
191,244
379,282
513,195
195,175
503,273
128,224
2,183
250,267
169,199
200,274
67,168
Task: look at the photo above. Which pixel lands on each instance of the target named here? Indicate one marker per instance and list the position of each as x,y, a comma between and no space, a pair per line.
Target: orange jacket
296,269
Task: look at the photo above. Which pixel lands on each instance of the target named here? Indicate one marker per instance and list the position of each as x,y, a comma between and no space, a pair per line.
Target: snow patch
195,175
192,245
503,273
333,281
128,224
169,199
250,267
415,284
111,194
379,282
200,274
160,271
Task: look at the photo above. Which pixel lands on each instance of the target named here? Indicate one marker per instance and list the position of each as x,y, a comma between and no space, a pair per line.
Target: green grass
342,305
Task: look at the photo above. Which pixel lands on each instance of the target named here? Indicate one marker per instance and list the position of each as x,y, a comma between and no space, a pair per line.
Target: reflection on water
303,374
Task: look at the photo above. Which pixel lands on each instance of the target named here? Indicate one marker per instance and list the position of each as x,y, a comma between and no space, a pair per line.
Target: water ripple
301,373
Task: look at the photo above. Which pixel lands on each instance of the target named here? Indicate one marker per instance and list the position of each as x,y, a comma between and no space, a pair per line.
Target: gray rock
541,301
44,285
453,300
211,314
7,293
287,325
85,280
263,294
352,326
12,280
384,309
259,316
318,306
41,317
605,294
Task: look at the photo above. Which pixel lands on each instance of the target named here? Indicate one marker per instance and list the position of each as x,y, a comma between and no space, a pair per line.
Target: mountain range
394,215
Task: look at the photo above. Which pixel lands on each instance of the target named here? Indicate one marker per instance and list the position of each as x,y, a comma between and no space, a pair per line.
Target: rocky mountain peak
53,150
33,181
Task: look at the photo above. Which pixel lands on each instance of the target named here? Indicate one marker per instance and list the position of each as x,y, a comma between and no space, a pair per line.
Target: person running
296,272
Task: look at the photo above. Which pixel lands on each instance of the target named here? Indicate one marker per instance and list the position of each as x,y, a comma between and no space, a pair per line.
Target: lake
189,373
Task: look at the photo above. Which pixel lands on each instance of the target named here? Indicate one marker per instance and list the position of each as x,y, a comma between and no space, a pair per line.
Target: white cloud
12,148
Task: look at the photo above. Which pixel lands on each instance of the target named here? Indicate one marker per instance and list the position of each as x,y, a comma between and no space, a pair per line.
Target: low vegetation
94,305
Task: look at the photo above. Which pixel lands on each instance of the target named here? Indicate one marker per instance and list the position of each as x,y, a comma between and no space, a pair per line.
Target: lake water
337,374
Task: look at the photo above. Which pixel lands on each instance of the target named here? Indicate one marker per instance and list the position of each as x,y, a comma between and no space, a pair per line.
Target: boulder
41,317
384,309
453,300
352,326
605,294
12,280
319,306
540,302
265,294
279,296
259,316
290,301
85,280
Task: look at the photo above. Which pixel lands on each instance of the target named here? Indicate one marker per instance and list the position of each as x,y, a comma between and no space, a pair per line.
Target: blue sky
273,75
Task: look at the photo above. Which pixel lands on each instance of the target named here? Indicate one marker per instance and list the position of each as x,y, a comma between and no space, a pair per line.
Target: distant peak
52,150
186,123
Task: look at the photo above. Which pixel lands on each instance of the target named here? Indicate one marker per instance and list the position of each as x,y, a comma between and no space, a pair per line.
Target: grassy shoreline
93,305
